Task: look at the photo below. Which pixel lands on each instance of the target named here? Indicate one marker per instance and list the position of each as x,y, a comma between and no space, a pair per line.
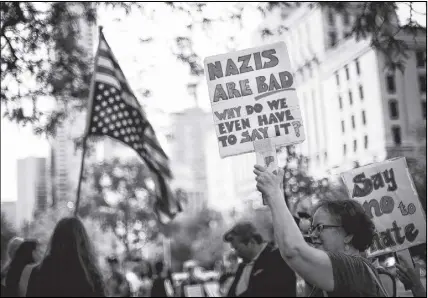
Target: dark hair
247,238
70,266
353,219
22,258
159,267
149,272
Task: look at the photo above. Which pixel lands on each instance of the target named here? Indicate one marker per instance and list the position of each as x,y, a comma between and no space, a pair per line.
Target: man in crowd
117,284
263,272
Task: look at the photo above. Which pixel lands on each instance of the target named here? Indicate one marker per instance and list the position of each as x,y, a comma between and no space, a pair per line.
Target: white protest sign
194,291
387,194
253,98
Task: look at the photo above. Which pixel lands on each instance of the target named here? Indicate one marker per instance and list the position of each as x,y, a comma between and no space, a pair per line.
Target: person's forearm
287,234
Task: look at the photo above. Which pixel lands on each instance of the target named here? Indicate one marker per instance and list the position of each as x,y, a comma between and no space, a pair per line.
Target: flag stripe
100,77
105,62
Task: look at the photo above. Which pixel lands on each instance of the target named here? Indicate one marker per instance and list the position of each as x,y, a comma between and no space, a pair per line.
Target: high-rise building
32,189
355,109
65,158
187,143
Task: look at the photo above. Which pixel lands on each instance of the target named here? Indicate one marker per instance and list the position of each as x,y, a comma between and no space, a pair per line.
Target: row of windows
351,101
363,119
391,85
357,68
345,17
355,145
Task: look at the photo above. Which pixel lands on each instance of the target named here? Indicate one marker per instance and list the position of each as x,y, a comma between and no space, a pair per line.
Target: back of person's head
244,232
159,267
22,257
70,255
352,217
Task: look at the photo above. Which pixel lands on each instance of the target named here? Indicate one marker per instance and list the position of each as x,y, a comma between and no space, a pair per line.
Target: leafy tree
7,233
120,195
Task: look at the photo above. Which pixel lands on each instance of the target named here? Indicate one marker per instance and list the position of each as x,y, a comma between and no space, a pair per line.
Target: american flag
116,112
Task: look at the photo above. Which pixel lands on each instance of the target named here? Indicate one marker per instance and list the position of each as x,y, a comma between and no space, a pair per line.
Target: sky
152,64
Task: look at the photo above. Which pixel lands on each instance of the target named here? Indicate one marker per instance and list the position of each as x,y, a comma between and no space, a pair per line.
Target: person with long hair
340,232
24,256
12,247
69,268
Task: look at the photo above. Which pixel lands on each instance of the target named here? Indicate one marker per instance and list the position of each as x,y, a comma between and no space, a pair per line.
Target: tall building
65,158
32,189
187,143
355,110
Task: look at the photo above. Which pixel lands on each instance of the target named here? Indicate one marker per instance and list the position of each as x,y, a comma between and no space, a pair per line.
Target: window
340,102
325,156
346,18
355,145
396,135
343,126
424,109
332,38
330,17
347,72
350,97
366,141
423,83
353,121
360,88
363,114
344,149
337,79
393,109
357,66
390,83
421,59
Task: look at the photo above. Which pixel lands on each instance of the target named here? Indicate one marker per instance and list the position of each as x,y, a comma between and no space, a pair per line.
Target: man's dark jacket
270,277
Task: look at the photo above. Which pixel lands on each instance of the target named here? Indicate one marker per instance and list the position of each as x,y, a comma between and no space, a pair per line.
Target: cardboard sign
387,193
212,289
194,291
253,98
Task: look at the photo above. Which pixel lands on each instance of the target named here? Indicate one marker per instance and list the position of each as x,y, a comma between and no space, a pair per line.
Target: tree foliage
7,233
121,197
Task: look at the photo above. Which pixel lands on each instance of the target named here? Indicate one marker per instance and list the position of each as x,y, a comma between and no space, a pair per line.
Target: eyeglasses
317,230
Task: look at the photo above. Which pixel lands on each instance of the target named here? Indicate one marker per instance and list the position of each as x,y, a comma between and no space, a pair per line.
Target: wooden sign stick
266,156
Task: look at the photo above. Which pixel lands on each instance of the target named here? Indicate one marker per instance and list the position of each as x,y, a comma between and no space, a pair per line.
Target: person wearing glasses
340,233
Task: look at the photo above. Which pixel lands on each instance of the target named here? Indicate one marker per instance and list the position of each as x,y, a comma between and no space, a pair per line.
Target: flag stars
122,131
106,93
137,121
102,114
105,129
113,117
101,86
134,113
112,90
121,105
116,107
99,97
126,113
94,129
97,108
117,97
109,110
111,100
130,121
116,133
104,104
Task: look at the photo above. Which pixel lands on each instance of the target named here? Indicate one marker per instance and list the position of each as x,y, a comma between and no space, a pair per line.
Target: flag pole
82,166
85,137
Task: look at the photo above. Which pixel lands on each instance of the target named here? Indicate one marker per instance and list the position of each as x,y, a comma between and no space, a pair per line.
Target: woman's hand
269,184
410,277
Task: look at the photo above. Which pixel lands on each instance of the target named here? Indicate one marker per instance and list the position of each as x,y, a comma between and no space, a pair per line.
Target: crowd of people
331,261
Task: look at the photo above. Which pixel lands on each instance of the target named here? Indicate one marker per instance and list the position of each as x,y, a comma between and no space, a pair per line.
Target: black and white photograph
213,149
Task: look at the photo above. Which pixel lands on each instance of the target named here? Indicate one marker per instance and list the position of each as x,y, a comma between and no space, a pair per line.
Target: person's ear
348,238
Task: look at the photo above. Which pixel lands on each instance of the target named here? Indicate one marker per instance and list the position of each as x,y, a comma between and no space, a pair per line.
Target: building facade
33,190
187,143
8,208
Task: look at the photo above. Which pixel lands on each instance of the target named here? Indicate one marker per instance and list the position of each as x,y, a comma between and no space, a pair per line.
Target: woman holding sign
340,232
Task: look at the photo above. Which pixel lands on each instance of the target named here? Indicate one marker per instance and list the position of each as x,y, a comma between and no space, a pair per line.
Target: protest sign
194,291
387,194
253,98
